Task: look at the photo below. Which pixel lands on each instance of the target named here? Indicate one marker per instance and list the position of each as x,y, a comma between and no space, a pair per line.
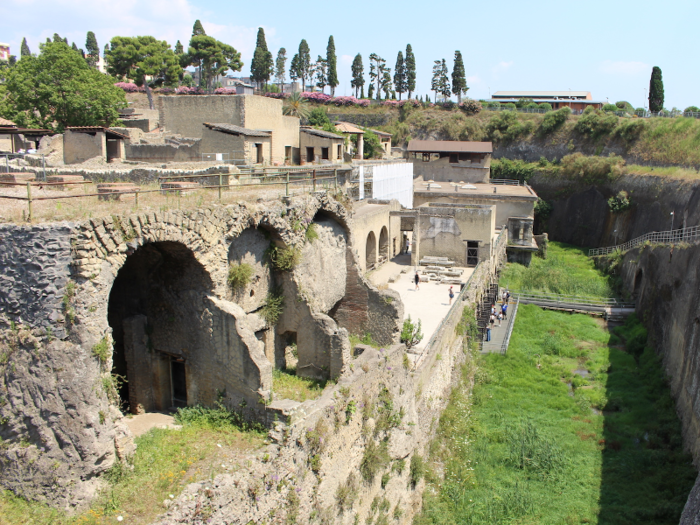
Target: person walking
507,295
488,334
500,318
416,279
504,310
452,294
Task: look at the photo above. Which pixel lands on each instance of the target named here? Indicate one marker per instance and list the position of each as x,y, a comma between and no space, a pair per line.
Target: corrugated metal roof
237,130
321,133
5,122
346,127
449,146
541,94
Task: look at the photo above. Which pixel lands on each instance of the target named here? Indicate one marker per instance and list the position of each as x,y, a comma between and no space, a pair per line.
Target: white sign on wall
393,181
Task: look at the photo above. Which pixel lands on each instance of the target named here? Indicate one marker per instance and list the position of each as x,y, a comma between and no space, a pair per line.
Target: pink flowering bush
184,90
281,96
166,91
470,107
315,96
130,87
390,103
225,91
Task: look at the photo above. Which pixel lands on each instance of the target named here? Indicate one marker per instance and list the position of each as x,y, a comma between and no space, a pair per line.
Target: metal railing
569,300
506,182
502,348
691,234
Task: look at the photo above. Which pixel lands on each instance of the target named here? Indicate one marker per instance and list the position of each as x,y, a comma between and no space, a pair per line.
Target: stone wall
163,152
79,147
370,221
185,115
308,140
443,170
61,408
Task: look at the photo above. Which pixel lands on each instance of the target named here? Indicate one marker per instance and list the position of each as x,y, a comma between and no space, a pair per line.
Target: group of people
498,314
450,293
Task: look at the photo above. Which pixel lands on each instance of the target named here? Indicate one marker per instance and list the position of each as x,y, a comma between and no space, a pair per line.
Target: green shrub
619,202
375,458
591,170
634,334
532,105
470,107
347,493
217,417
623,105
318,117
629,130
510,105
512,169
411,333
691,109
523,102
545,105
505,126
273,307
609,107
284,259
595,124
416,470
554,120
239,275
529,449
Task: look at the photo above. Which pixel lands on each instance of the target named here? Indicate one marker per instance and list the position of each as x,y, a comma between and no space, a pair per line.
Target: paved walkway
430,303
142,423
498,334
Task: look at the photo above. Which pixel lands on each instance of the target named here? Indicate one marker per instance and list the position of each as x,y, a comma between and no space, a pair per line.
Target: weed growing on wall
416,470
103,350
374,460
272,309
347,492
239,275
411,333
311,233
620,202
283,259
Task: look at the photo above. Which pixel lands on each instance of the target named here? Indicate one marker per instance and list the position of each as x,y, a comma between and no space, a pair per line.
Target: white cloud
624,68
502,67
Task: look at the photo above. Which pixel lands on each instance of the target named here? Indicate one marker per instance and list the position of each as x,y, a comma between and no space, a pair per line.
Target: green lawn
566,270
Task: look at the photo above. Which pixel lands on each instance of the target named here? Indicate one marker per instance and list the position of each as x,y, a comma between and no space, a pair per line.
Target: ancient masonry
66,300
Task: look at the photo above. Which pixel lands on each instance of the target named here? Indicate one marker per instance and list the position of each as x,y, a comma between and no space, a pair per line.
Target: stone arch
154,308
384,248
370,251
249,248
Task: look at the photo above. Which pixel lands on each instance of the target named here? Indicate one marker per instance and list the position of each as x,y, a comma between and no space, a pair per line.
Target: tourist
507,296
504,309
417,280
452,294
500,318
493,309
504,299
488,334
408,245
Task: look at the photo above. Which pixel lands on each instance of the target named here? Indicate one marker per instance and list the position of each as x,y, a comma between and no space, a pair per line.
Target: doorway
309,154
259,149
472,253
178,382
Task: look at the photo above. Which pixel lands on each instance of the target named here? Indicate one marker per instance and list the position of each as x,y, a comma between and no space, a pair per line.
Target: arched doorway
384,255
154,309
371,251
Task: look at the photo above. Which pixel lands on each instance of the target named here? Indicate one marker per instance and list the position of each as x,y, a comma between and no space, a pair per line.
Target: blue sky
606,47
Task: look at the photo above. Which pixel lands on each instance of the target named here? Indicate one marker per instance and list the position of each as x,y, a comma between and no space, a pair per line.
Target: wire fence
564,300
691,234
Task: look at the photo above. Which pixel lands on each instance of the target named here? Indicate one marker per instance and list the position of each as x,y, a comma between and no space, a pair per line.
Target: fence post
221,183
136,200
43,166
29,200
286,185
313,176
335,177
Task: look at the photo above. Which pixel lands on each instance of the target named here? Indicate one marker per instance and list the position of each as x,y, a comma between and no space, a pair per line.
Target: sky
605,47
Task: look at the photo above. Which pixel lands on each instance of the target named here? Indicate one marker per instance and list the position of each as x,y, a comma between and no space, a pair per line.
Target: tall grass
527,447
566,270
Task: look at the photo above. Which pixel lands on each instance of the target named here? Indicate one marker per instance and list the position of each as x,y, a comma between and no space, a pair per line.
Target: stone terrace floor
430,303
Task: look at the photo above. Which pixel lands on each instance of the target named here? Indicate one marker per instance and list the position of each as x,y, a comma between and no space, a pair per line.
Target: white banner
392,181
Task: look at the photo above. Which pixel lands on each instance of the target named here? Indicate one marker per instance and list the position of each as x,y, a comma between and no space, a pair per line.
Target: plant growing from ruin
239,275
411,333
272,309
347,492
619,202
283,259
417,469
102,350
311,233
375,458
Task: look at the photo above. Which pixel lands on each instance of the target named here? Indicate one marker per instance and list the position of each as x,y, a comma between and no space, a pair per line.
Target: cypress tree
262,64
400,78
358,78
435,81
280,67
656,90
24,51
304,63
410,70
198,29
444,80
93,49
294,68
459,78
331,64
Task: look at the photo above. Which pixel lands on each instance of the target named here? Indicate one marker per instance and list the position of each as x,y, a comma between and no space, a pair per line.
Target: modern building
450,160
576,100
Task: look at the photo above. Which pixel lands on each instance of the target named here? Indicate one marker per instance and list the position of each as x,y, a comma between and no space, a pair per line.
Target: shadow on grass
646,475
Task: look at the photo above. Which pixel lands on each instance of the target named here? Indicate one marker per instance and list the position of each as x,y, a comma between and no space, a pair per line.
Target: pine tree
179,50
262,65
92,49
362,91
386,82
198,29
332,64
410,70
400,78
459,78
280,68
370,91
57,38
656,90
358,78
377,67
24,51
294,69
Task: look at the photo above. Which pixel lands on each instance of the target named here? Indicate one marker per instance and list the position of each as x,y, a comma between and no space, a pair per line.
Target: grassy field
566,270
567,428
164,463
287,385
574,425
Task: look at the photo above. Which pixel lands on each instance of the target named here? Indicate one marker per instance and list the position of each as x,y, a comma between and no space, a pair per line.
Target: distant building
4,51
450,160
576,100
